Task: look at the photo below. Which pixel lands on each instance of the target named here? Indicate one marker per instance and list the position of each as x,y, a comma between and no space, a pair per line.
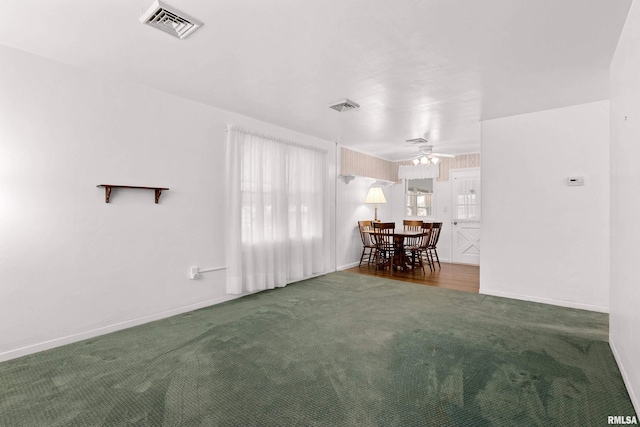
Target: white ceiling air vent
417,141
170,20
344,105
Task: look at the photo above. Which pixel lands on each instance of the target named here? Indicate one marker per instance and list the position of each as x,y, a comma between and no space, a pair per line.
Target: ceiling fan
426,156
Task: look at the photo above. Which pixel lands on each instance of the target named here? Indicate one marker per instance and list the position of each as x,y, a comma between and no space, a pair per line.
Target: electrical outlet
575,180
194,273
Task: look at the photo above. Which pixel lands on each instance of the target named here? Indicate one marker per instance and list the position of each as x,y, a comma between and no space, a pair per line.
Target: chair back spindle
412,225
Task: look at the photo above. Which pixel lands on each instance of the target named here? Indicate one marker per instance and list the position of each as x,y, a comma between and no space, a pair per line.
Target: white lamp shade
375,195
435,160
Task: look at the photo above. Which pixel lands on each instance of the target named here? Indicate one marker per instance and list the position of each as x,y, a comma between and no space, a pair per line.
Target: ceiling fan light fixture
426,156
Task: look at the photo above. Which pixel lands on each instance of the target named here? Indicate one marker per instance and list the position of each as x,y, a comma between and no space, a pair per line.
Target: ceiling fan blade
443,155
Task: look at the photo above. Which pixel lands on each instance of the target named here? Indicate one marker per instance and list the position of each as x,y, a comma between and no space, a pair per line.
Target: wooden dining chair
417,253
433,242
384,238
368,246
411,225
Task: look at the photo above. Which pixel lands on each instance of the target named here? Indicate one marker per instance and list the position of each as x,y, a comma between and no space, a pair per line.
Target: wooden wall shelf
108,187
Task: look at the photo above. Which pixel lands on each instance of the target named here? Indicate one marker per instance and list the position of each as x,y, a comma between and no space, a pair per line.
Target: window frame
406,206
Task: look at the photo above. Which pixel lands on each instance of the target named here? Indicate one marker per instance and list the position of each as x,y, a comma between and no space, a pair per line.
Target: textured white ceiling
418,68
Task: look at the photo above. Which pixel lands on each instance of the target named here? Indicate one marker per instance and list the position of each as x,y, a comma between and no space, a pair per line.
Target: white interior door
465,221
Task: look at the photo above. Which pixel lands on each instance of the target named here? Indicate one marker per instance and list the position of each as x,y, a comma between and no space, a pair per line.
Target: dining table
400,237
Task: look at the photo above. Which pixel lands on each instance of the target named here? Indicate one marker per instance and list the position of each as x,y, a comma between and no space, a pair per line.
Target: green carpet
338,350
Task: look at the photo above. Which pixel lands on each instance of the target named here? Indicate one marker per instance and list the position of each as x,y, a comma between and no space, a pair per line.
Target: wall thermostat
575,180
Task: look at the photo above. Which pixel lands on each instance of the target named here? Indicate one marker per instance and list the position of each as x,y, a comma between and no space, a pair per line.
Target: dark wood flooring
460,277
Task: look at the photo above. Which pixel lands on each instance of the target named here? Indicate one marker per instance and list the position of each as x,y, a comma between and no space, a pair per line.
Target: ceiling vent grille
417,141
344,105
170,20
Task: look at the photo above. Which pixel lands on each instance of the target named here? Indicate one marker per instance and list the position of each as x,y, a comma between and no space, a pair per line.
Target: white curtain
278,225
418,172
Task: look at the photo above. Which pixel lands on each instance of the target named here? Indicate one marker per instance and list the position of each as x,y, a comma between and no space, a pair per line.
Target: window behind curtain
277,204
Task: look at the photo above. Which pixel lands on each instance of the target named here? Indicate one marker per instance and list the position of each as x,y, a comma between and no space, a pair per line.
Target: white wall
624,318
443,203
350,208
72,266
541,239
397,211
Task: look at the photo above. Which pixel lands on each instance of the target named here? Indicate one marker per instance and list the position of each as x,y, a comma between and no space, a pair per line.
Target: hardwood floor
460,277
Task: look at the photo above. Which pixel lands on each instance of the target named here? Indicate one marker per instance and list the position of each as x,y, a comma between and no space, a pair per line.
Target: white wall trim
551,301
58,342
625,378
347,266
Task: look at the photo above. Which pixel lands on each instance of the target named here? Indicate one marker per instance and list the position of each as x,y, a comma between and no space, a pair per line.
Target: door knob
455,222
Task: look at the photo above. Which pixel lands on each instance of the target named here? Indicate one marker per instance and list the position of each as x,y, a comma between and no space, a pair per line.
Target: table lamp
375,196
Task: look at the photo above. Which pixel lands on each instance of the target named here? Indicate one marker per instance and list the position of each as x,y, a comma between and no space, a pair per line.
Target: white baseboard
46,345
625,377
347,266
551,301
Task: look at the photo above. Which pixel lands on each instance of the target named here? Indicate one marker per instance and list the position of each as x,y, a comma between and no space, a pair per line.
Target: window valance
418,172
